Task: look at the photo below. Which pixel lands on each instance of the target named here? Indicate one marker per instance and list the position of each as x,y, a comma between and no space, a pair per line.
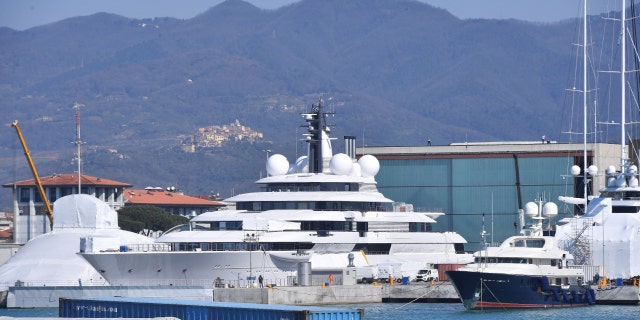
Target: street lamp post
250,239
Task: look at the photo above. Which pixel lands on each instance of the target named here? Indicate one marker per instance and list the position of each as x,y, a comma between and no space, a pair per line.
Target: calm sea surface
398,311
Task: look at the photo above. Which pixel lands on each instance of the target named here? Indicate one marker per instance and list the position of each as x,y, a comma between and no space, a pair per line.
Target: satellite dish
531,209
550,209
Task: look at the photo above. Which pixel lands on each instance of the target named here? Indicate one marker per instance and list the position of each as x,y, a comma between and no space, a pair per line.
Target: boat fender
565,295
556,295
591,296
575,297
544,283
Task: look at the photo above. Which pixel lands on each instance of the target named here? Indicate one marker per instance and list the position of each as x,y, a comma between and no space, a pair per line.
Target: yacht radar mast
316,126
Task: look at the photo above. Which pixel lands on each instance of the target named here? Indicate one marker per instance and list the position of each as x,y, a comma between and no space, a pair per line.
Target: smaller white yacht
525,271
323,210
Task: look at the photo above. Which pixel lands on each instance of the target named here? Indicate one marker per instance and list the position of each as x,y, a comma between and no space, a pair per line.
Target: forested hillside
396,72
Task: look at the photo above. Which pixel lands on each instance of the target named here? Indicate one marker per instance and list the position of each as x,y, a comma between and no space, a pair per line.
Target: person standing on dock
260,279
330,279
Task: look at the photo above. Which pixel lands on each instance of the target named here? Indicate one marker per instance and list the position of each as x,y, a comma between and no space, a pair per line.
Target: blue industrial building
476,183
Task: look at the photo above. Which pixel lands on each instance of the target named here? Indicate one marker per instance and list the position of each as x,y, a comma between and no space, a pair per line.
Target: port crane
32,166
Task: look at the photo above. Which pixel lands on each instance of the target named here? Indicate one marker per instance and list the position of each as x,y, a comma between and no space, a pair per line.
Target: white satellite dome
356,171
575,170
301,165
550,209
633,169
611,170
340,164
277,165
593,170
531,209
369,165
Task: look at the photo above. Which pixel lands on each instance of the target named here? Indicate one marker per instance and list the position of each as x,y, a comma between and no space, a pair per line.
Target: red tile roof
165,198
68,180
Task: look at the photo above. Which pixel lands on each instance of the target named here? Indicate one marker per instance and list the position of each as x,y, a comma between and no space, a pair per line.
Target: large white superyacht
323,212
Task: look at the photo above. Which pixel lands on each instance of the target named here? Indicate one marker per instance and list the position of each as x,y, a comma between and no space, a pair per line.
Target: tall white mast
623,71
585,179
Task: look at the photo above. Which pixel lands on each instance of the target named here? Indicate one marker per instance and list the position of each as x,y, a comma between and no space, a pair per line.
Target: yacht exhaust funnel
350,146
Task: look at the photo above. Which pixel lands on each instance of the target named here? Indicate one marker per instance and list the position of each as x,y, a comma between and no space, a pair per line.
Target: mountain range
396,72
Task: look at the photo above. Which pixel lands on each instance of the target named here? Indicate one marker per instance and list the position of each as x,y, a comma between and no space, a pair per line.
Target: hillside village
215,136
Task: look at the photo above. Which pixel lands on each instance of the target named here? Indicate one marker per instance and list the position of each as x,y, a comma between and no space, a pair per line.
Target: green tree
137,218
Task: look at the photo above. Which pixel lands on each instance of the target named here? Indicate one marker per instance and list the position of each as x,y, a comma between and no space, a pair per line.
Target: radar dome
369,165
356,171
531,209
277,165
611,170
575,170
593,170
301,165
340,164
633,169
550,209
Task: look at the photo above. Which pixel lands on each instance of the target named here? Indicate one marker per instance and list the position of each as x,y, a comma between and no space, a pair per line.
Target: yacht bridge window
625,209
528,243
621,195
222,225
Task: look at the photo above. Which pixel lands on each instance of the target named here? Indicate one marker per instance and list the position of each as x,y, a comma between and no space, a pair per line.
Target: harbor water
395,311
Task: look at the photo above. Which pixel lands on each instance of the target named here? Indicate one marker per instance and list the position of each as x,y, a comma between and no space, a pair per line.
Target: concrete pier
47,297
618,295
438,292
342,294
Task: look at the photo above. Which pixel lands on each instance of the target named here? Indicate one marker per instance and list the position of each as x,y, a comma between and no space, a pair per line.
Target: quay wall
340,294
48,296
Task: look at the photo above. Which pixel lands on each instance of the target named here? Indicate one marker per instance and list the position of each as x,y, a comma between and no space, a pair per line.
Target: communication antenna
78,143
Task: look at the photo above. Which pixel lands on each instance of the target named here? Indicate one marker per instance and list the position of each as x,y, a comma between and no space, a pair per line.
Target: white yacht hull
237,268
207,268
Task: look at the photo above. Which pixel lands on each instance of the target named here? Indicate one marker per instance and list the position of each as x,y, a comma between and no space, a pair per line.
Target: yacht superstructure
324,209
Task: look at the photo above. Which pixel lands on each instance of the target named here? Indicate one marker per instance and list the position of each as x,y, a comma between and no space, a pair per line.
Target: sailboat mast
623,71
585,179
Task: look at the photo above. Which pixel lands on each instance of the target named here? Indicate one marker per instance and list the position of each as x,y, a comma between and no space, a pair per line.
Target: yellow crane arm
43,195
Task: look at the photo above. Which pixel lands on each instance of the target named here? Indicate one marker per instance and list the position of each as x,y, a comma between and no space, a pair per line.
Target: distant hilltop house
170,200
216,136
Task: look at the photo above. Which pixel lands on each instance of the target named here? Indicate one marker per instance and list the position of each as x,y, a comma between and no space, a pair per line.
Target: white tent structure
614,238
52,259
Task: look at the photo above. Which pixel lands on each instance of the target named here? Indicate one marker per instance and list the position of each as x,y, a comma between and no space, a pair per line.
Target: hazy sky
24,14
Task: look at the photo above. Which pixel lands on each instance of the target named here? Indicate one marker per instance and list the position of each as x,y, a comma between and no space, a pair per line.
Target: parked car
427,275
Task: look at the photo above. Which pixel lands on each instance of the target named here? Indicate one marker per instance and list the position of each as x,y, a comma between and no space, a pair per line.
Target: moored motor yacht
323,209
525,271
